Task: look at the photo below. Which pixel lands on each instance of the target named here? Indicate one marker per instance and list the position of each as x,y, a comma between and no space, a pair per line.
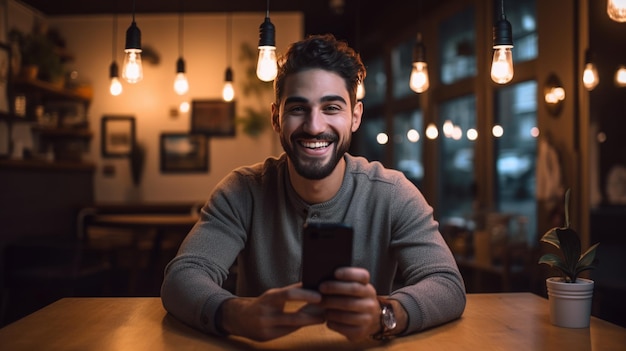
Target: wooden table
512,321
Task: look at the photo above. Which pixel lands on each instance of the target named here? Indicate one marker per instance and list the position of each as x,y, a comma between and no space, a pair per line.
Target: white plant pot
570,303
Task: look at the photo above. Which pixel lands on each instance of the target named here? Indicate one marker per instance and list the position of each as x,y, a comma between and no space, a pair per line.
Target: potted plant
39,56
570,296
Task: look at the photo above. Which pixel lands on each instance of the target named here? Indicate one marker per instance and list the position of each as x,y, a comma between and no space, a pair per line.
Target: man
255,215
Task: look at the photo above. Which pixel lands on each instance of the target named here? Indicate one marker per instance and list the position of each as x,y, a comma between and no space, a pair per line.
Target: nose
315,122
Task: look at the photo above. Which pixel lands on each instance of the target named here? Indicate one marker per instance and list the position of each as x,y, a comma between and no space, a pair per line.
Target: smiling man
256,215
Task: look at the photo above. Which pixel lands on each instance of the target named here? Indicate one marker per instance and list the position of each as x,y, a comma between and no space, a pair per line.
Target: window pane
366,139
523,18
401,64
457,120
516,152
457,38
408,142
375,82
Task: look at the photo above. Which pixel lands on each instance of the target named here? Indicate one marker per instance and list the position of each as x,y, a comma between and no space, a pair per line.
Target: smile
315,144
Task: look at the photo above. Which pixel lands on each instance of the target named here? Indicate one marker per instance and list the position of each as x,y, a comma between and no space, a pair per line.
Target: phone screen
325,247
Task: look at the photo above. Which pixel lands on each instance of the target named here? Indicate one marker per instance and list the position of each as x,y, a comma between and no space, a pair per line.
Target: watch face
389,319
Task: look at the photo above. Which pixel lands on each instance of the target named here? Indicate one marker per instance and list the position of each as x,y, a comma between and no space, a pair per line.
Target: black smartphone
325,247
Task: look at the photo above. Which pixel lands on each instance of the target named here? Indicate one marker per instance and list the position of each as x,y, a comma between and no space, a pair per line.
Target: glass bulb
419,82
181,85
116,86
360,91
590,76
502,65
228,92
620,76
133,70
616,10
266,68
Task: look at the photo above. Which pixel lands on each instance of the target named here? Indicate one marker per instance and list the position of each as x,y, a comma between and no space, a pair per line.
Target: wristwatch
387,321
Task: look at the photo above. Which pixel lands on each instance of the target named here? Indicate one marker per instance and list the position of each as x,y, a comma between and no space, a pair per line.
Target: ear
357,113
275,118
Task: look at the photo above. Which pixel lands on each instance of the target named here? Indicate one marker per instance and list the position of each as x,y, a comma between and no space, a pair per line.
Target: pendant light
266,68
502,65
590,72
616,10
181,85
116,86
360,88
132,71
228,92
419,81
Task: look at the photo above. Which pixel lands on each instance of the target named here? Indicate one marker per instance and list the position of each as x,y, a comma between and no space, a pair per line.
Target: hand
263,318
351,304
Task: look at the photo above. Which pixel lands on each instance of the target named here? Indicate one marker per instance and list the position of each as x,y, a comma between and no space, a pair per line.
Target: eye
332,108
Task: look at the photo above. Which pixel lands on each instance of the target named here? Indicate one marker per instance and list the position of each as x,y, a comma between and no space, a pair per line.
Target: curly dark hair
323,52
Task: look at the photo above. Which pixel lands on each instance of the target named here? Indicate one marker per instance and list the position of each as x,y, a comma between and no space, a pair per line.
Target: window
375,82
401,64
408,140
457,51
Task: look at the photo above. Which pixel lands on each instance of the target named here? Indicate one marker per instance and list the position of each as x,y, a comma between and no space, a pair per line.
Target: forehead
313,84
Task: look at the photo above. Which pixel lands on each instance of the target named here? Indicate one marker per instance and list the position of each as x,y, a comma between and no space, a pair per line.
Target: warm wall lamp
620,76
502,65
133,70
616,10
228,92
266,68
419,81
181,84
116,86
590,72
554,94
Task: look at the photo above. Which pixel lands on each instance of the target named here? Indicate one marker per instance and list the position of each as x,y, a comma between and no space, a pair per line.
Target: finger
355,274
354,289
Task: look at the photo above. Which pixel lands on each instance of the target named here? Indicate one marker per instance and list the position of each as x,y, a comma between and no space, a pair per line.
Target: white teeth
316,145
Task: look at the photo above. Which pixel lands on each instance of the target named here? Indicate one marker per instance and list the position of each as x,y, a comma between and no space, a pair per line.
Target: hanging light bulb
360,91
181,85
590,72
616,10
266,68
620,76
132,71
116,86
228,92
502,65
419,81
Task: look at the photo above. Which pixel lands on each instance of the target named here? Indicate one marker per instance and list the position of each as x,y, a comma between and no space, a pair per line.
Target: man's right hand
264,318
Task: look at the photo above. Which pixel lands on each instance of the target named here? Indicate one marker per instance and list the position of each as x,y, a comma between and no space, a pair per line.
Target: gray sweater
254,216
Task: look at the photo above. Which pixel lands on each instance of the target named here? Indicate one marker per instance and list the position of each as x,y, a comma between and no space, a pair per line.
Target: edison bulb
266,68
133,70
620,77
616,10
419,81
116,86
360,91
502,65
590,76
181,85
228,92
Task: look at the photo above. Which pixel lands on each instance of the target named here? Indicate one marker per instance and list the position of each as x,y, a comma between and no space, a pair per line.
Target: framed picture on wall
184,152
213,118
118,136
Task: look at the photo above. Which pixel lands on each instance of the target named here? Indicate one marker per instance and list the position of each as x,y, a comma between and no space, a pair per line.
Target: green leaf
589,257
570,247
550,237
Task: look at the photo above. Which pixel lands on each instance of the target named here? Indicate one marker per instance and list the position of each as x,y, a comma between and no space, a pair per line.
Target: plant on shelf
571,263
37,49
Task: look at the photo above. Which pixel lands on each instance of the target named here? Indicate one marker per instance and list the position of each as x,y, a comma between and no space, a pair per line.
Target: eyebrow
327,98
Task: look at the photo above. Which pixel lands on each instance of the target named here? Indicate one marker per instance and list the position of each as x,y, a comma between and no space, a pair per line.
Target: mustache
324,136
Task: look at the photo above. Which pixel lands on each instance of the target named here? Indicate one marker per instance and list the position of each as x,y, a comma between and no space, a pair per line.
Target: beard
313,168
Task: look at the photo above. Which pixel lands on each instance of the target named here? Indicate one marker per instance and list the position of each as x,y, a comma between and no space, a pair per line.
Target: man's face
315,121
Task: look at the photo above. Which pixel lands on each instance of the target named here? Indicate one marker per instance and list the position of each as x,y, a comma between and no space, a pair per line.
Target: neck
317,191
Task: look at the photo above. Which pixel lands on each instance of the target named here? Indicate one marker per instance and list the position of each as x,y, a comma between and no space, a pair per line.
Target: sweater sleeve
433,291
192,286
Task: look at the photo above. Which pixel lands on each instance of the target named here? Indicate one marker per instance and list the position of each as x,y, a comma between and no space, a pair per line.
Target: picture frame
5,79
183,152
213,118
118,136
